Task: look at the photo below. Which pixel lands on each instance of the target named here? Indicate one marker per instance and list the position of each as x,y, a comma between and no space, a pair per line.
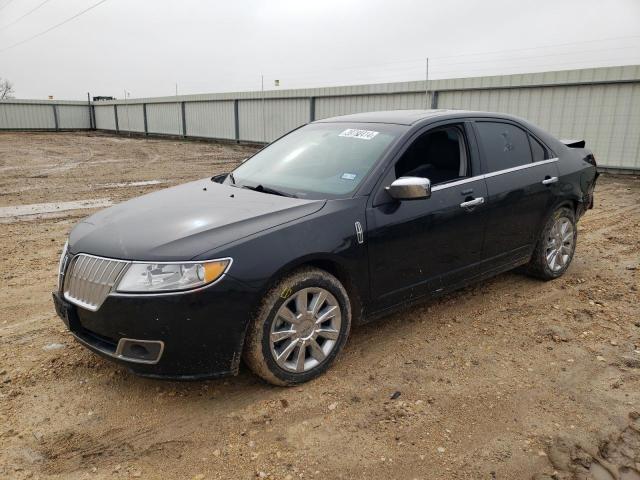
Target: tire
544,264
268,351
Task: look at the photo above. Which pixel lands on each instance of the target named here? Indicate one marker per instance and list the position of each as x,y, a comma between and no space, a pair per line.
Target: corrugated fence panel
280,116
73,116
165,118
601,105
210,119
250,120
5,121
607,116
27,116
105,118
131,118
333,106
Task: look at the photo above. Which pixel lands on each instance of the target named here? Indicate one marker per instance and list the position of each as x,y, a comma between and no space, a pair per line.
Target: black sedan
340,221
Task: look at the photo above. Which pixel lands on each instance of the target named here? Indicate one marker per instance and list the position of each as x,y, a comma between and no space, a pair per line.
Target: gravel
490,376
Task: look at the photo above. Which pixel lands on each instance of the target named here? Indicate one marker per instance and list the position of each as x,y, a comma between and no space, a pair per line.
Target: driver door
421,247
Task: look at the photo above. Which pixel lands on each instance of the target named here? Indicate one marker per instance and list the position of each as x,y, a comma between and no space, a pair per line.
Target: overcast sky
216,46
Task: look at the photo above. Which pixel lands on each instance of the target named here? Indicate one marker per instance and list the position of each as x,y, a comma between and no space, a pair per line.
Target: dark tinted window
538,151
504,145
439,155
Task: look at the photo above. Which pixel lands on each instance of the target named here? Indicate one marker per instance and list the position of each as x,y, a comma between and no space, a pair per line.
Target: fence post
236,120
92,116
312,109
55,116
144,116
115,116
89,111
184,120
434,99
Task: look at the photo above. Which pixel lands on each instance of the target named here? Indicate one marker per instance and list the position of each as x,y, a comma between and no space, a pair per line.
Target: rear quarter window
538,150
504,145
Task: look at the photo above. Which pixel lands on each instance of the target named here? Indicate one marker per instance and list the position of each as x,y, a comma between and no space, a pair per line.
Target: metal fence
44,115
601,105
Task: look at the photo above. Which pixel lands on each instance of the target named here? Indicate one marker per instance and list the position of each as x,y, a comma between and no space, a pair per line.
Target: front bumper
191,335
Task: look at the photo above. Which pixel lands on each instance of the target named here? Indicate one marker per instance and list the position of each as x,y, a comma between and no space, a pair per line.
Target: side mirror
410,188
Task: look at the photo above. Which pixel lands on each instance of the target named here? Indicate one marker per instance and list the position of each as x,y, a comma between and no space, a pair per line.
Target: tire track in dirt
487,379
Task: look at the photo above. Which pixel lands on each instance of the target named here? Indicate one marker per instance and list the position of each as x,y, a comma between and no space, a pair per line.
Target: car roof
407,117
417,119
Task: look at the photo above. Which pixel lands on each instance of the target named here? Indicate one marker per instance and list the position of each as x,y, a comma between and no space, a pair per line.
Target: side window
439,155
504,145
538,150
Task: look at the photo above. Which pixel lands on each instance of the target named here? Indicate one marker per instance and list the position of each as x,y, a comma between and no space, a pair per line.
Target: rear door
521,191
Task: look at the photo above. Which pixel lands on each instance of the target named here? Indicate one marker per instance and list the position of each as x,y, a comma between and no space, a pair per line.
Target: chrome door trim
462,181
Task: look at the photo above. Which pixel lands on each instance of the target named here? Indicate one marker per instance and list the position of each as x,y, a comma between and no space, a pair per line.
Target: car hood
181,222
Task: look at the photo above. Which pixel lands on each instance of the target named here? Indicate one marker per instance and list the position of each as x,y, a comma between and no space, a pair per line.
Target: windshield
320,160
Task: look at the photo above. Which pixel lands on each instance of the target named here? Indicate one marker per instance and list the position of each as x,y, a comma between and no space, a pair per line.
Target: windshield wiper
272,191
233,180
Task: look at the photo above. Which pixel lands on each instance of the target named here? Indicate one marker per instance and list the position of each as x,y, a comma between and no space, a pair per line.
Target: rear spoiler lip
574,143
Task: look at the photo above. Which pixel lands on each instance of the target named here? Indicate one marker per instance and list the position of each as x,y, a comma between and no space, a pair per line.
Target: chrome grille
89,280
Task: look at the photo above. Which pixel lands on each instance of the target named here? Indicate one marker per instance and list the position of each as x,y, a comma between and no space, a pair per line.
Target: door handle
472,203
549,180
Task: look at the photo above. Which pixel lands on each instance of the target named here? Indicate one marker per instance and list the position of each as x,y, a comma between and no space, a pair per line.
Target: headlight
162,277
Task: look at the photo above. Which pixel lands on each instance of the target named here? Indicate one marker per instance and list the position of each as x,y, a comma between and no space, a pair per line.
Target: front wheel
302,325
556,245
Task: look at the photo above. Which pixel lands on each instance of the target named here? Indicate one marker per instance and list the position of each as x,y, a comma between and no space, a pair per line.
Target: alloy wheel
560,244
305,329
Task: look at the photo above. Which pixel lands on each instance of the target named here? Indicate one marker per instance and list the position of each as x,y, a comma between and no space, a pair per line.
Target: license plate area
66,311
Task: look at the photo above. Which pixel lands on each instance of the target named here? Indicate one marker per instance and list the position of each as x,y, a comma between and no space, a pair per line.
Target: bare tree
6,89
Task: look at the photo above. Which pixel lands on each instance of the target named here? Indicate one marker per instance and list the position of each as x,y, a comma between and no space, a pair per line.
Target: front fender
325,237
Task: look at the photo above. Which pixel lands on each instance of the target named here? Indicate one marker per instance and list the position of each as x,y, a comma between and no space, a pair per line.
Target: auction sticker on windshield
348,176
357,133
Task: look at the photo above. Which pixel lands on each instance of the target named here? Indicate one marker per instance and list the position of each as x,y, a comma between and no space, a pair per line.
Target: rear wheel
556,246
301,327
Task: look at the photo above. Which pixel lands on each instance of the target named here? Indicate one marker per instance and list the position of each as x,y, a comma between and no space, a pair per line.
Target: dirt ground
511,379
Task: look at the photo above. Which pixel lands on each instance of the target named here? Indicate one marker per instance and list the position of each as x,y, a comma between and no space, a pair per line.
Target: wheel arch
332,264
571,203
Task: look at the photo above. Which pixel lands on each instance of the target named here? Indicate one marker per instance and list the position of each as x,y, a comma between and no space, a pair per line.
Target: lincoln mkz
340,221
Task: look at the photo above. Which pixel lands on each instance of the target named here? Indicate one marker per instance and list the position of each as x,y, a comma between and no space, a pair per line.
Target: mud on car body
340,221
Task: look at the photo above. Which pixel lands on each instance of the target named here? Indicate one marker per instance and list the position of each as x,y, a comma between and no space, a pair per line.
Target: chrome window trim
442,186
519,167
